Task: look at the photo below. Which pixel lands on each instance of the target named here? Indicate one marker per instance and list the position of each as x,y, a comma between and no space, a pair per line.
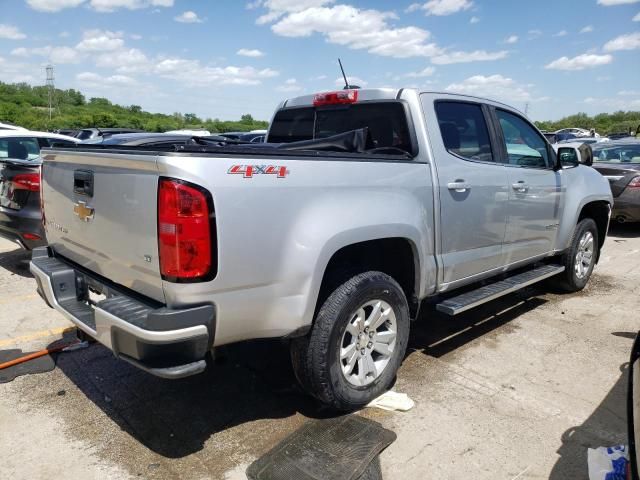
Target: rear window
84,134
387,123
20,148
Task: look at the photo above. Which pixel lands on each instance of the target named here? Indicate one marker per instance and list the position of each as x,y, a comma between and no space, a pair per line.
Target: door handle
520,186
459,186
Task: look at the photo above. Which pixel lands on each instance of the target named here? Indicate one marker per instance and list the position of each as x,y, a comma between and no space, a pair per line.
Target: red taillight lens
184,231
31,236
27,181
341,97
634,183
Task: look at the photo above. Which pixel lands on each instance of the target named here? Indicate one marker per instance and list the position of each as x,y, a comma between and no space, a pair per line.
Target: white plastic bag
608,463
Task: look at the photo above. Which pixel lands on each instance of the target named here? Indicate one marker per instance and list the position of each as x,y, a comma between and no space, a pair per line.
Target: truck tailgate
100,212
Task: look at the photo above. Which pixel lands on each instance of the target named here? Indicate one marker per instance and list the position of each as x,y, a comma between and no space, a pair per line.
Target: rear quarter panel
277,235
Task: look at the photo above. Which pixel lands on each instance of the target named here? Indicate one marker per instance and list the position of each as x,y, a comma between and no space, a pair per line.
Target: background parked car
8,126
88,133
20,215
619,162
578,132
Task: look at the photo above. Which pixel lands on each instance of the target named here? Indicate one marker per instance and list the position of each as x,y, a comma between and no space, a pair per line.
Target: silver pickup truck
162,256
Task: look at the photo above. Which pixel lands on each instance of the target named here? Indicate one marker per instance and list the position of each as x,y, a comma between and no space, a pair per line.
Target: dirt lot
517,389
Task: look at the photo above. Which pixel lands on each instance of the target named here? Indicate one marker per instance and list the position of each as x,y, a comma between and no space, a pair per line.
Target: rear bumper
626,206
15,223
165,342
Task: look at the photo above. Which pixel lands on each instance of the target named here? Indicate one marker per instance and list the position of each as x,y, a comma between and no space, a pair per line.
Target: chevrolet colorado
328,238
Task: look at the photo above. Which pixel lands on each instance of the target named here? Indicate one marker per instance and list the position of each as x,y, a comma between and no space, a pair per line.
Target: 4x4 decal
248,171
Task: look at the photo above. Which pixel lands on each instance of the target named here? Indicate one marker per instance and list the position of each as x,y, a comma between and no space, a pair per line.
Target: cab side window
464,130
525,146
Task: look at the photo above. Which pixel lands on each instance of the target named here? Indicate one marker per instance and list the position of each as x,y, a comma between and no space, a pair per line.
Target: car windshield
617,153
84,134
19,148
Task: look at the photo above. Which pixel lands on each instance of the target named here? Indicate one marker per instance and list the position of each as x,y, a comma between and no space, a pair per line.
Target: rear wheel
357,342
580,259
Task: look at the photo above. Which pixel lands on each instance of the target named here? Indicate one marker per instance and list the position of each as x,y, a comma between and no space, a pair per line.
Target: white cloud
250,52
630,41
124,61
587,29
446,7
608,3
53,5
633,93
90,79
474,20
59,55
279,8
613,103
636,18
511,39
339,82
290,85
108,6
465,57
100,41
64,34
135,36
494,86
253,5
586,60
12,72
11,32
358,29
98,5
414,7
191,72
533,34
425,72
561,33
188,17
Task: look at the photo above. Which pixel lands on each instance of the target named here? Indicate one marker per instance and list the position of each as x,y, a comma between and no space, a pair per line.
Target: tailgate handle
83,182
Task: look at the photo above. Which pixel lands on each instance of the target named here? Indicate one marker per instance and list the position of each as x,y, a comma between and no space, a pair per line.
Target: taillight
634,183
31,236
26,181
341,97
185,234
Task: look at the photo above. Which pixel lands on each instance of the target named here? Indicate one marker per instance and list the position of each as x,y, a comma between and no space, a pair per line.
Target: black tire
569,281
315,357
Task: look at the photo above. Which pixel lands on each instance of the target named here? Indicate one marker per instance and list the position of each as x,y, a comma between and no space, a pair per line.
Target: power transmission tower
50,87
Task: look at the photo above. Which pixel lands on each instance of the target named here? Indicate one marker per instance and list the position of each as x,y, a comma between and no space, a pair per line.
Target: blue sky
224,58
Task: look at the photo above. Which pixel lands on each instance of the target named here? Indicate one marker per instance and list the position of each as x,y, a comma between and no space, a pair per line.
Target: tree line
28,106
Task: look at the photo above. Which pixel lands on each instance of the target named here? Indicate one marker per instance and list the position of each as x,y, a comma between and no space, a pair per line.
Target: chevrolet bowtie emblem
81,210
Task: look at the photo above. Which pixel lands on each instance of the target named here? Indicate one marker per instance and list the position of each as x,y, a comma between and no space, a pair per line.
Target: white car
579,132
31,141
8,126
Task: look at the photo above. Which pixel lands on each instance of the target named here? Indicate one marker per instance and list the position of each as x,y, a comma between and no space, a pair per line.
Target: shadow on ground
605,427
624,230
251,381
16,262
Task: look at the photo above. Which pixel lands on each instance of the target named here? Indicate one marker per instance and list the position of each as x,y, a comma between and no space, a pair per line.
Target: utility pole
526,109
50,87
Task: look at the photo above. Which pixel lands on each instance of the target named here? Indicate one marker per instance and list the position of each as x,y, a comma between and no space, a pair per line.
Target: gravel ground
516,389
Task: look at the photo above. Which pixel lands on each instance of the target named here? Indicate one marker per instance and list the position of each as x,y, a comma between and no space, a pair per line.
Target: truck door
535,189
472,188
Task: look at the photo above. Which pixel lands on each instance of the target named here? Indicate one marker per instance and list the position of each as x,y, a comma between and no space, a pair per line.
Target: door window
525,146
464,130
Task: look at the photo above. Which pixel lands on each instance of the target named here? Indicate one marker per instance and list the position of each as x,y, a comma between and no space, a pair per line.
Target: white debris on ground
393,401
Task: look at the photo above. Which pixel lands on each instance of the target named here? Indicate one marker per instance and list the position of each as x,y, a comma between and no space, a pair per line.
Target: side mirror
568,157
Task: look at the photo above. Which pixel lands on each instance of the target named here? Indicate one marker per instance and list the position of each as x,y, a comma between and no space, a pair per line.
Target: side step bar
469,300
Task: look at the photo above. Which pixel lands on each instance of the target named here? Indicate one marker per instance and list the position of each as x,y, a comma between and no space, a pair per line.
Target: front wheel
580,259
357,343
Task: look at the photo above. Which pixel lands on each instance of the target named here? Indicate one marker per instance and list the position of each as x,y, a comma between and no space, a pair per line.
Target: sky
225,58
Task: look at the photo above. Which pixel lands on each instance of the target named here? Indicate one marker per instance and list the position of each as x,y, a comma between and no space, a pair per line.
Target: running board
469,300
